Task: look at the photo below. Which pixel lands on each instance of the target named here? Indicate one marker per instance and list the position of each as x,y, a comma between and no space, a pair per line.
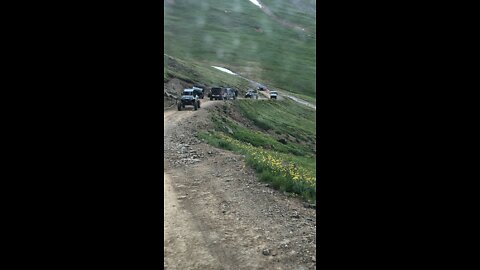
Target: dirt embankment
172,90
217,215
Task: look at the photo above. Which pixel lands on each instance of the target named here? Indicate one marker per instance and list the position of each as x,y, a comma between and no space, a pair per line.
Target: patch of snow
255,2
224,70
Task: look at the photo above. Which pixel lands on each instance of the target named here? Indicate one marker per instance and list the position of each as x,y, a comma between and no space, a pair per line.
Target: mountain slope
266,45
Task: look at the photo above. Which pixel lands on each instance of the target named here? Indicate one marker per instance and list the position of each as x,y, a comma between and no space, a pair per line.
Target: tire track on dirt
185,245
193,238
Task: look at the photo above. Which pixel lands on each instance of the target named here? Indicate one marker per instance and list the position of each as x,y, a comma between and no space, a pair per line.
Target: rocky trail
218,215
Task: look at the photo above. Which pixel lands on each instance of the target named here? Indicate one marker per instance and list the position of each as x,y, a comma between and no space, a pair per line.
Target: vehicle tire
179,106
195,106
211,98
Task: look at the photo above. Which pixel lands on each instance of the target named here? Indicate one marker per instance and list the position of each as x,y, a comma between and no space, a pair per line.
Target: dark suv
199,92
216,93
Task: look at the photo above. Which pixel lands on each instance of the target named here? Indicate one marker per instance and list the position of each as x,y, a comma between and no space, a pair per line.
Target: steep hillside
278,139
283,129
274,44
192,73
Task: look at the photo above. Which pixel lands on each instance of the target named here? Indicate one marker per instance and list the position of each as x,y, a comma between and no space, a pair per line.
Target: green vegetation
195,73
283,171
278,137
239,36
282,117
312,100
256,138
301,13
289,165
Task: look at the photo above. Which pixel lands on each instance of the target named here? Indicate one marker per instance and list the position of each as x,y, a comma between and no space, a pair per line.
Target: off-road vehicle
251,94
216,93
189,97
199,91
230,93
273,94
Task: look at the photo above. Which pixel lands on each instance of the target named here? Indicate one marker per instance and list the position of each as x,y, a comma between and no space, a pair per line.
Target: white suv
273,94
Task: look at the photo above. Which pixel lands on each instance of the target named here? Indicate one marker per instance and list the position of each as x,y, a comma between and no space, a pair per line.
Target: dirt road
217,215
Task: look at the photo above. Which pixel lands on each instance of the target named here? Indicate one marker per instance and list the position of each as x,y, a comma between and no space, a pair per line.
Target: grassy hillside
278,137
284,117
301,13
199,74
238,35
282,147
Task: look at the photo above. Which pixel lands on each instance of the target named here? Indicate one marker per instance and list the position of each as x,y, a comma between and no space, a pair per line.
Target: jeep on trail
230,93
273,94
251,94
198,91
216,93
189,97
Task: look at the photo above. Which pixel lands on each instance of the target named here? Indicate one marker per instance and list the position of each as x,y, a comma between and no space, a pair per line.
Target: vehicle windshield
187,93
